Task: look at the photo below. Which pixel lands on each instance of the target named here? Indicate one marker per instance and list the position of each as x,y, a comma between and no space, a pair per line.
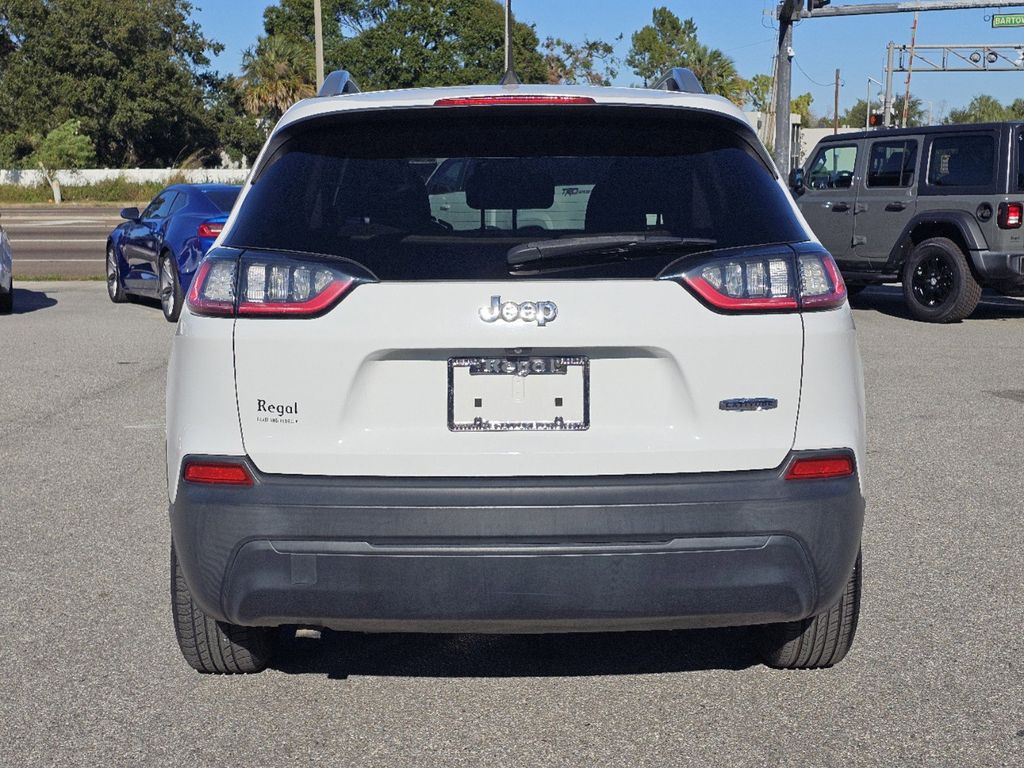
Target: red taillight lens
1011,215
210,229
769,279
821,467
480,101
217,473
260,285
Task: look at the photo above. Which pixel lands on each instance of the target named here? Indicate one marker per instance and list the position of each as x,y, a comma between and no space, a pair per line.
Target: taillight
213,288
217,473
769,279
210,229
1011,215
479,101
821,467
265,285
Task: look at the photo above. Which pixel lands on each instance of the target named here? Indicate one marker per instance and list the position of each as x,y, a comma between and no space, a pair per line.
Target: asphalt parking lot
92,675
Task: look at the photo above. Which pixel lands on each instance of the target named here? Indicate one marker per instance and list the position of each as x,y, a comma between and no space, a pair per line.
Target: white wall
137,175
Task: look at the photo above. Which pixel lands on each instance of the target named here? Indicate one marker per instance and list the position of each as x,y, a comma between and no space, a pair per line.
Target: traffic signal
813,5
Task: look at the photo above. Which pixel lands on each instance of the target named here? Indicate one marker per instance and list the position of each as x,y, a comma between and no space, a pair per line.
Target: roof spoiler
338,83
679,79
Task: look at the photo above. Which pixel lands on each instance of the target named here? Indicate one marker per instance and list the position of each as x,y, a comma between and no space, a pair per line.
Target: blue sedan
155,253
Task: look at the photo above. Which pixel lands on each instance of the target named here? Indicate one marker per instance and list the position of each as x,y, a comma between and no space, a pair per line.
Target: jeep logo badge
539,312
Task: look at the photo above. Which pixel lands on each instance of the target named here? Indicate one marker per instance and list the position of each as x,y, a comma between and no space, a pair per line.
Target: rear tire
171,297
819,641
7,302
938,284
115,290
215,647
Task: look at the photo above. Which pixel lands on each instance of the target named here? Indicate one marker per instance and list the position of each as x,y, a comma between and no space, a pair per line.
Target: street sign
1002,20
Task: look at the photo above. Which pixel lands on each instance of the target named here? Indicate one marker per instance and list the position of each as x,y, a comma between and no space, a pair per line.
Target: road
92,675
68,241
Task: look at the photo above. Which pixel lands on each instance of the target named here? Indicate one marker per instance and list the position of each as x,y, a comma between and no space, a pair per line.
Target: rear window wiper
575,250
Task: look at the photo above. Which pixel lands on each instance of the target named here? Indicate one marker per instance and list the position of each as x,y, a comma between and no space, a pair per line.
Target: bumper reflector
820,467
213,473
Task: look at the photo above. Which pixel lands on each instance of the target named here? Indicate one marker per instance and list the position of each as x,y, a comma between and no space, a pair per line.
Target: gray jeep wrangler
939,209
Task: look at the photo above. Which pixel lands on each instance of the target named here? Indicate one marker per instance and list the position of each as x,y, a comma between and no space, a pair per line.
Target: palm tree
278,73
717,73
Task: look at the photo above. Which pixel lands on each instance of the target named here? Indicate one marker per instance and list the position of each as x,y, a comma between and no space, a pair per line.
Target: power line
820,85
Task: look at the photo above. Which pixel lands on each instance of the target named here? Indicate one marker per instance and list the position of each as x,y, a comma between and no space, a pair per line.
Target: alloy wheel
112,276
933,281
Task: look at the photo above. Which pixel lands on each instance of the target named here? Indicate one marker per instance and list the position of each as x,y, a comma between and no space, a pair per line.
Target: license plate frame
513,366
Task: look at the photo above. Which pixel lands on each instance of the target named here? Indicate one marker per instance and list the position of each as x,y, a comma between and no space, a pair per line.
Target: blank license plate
504,394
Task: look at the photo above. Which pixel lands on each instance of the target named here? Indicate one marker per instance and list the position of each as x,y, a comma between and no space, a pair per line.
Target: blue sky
855,45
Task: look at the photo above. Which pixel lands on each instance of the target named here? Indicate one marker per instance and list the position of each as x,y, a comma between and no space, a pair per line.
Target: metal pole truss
961,58
908,6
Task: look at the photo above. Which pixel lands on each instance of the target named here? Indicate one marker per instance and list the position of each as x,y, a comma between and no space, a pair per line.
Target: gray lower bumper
518,555
999,268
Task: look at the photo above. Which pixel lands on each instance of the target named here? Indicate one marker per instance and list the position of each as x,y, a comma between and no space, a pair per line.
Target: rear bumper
1000,268
518,555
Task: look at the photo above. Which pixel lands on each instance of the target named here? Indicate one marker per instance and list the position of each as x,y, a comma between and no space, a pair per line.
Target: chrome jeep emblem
539,312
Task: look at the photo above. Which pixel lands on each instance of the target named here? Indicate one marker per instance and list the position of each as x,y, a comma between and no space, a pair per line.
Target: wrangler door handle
895,207
840,208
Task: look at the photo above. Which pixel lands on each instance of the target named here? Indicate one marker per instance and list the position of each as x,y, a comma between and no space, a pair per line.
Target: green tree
591,62
411,43
856,114
801,105
984,109
664,43
275,74
63,148
759,92
134,72
240,133
669,41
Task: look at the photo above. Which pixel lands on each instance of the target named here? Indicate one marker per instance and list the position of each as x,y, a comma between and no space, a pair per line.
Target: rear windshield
501,177
223,199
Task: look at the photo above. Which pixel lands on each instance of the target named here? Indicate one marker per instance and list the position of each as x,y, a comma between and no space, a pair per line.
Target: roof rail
679,79
338,83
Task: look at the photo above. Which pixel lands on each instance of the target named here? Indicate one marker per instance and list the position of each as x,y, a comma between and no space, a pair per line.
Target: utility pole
789,11
835,121
887,104
910,72
318,34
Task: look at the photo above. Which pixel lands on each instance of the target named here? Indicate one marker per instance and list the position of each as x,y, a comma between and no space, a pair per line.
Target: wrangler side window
833,168
962,161
892,164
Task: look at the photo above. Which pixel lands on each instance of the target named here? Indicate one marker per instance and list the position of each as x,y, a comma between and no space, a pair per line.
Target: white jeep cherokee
645,412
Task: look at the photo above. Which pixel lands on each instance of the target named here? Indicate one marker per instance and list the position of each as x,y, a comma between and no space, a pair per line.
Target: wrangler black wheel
938,284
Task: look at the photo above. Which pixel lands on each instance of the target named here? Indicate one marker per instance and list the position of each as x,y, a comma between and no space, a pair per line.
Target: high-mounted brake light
258,285
769,279
1011,215
210,229
821,467
482,101
217,473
